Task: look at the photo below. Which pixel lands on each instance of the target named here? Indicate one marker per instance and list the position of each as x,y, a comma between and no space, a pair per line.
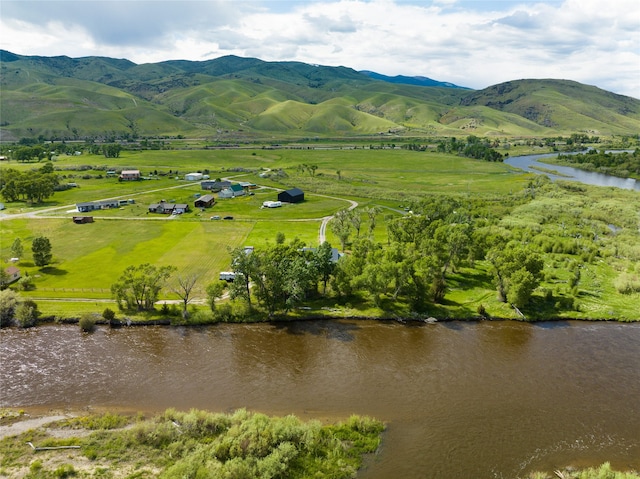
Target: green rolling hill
76,98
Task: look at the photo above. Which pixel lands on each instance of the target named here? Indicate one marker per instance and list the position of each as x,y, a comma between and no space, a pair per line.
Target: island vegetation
197,443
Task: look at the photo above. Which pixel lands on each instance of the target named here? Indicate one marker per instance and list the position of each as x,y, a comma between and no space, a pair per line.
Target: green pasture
89,258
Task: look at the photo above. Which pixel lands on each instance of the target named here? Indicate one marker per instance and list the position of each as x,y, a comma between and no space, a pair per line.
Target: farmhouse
294,195
180,208
232,192
205,201
215,186
193,176
97,205
168,208
129,175
79,220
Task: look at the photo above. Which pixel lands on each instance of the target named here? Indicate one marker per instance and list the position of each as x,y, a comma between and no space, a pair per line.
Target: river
461,400
569,173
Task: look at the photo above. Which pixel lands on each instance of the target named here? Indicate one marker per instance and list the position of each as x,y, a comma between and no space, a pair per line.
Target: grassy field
88,259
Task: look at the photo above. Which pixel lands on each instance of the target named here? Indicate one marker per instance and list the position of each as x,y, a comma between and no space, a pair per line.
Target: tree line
31,186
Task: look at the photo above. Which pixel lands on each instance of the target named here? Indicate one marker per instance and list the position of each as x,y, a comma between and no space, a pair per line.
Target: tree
8,304
27,314
41,248
109,315
323,263
372,212
140,286
517,272
111,150
356,221
214,291
4,279
183,288
340,225
244,266
16,248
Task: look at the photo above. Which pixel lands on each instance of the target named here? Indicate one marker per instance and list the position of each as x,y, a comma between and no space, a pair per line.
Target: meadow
88,259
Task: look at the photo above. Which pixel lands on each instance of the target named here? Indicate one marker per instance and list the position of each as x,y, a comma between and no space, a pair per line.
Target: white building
193,176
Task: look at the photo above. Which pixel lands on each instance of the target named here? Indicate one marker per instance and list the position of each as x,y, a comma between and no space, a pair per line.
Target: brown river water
460,400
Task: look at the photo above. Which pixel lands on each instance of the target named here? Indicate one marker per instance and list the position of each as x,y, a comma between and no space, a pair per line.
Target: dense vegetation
195,444
624,165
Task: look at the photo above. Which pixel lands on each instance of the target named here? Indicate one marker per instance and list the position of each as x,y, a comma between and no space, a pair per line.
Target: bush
25,284
8,304
65,470
201,316
482,311
224,313
87,322
27,314
627,283
109,315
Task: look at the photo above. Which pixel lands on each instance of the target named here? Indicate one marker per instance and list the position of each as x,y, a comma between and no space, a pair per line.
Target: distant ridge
413,80
101,98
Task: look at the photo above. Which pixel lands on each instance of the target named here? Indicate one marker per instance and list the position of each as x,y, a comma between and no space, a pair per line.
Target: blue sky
470,43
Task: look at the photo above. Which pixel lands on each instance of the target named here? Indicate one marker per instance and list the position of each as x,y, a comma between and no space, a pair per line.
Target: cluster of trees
622,164
282,275
30,153
424,248
111,150
471,147
15,311
31,186
139,286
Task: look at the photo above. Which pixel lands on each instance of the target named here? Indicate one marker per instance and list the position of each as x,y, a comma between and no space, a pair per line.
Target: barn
205,201
294,195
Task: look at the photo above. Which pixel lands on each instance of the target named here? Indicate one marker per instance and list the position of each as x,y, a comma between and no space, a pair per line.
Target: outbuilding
79,220
215,186
204,201
294,195
193,176
12,274
130,175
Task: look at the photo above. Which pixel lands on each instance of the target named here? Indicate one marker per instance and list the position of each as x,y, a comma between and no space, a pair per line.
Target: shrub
26,284
627,283
65,470
224,313
109,315
27,314
87,322
482,311
8,304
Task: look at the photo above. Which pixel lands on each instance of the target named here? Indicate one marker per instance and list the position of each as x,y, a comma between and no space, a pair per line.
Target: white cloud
474,44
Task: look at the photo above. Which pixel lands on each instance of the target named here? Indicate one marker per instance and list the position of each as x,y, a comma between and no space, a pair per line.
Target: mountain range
234,97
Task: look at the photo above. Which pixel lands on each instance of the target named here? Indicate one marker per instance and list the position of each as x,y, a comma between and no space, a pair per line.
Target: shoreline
127,322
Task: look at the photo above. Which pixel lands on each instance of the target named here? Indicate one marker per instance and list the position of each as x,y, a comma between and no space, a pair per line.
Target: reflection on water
468,400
